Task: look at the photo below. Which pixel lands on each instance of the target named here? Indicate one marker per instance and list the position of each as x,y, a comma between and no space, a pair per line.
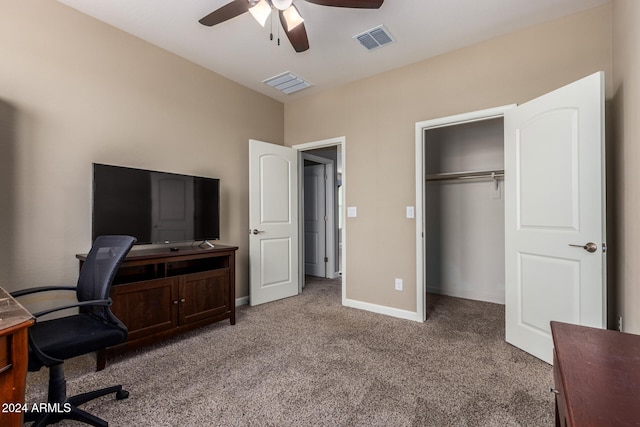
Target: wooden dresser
14,355
597,376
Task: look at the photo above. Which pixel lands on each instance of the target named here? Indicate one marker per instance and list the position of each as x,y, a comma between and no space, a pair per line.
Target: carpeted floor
308,361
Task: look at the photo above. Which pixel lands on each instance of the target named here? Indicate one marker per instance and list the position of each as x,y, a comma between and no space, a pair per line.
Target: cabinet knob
175,302
182,300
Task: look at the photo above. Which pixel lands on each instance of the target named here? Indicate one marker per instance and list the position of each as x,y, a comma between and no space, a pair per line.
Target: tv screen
154,207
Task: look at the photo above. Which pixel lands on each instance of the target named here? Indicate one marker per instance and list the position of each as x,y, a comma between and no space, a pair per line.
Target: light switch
352,212
410,212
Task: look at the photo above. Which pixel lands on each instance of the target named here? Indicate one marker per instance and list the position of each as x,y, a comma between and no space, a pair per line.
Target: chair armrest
99,302
29,291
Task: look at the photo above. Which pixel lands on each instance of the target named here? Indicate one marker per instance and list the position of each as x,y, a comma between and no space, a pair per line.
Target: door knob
589,247
256,231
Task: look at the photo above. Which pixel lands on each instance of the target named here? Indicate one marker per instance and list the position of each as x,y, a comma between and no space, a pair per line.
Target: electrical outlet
620,323
398,284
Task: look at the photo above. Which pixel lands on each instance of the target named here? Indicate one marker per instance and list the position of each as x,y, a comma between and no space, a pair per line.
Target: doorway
316,158
319,201
452,160
464,210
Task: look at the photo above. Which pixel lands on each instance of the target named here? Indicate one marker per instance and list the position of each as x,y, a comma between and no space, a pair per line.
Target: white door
315,217
273,222
555,214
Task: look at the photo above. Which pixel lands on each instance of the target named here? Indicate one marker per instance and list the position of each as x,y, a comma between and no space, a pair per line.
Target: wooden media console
158,293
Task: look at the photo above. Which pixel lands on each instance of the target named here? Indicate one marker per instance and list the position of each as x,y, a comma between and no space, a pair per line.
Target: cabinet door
146,307
204,295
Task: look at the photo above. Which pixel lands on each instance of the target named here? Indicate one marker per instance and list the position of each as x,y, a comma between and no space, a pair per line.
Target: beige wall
626,65
378,115
75,91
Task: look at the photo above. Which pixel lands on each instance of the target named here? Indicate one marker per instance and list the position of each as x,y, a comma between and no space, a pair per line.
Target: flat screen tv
154,207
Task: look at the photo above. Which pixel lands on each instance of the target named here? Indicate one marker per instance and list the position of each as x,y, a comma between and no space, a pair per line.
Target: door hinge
326,259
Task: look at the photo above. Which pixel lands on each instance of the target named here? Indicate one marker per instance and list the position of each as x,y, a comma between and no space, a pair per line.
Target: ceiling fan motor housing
281,4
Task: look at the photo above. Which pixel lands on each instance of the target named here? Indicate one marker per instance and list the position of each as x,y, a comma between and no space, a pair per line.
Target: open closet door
273,222
555,214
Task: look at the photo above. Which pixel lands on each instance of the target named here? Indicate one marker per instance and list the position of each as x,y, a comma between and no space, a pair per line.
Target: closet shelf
490,174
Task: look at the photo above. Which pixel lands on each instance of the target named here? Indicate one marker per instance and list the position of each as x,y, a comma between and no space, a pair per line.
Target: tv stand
159,293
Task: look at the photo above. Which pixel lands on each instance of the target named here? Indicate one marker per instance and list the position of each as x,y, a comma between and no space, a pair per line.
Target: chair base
60,407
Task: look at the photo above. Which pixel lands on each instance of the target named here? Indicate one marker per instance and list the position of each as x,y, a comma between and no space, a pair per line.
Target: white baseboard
381,309
242,301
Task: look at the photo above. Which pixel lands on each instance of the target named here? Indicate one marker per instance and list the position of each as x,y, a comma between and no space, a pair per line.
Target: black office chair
93,328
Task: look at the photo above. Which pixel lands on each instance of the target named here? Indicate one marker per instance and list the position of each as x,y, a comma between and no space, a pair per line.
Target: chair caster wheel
122,394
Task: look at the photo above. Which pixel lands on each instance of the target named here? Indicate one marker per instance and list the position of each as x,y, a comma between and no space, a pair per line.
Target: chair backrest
99,269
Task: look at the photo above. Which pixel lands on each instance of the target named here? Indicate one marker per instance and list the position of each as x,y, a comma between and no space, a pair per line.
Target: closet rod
492,174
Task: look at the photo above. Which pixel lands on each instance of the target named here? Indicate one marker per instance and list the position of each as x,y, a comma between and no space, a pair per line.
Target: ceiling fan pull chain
271,26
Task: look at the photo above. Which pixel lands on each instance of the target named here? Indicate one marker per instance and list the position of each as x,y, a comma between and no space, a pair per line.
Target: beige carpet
308,361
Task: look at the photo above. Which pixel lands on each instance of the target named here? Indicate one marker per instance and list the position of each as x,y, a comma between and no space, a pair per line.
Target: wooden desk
597,376
14,354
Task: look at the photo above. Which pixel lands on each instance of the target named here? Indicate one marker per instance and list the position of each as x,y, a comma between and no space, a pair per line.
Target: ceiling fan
290,18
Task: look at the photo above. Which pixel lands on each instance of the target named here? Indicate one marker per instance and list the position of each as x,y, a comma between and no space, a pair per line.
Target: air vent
375,38
287,82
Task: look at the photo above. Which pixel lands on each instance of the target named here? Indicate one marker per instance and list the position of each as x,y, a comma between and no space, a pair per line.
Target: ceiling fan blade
357,4
226,12
297,36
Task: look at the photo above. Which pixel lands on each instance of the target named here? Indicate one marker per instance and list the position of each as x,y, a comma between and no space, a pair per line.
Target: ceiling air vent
287,82
375,37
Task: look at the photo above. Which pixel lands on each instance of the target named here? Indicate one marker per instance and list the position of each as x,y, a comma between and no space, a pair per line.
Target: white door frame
421,127
341,143
329,213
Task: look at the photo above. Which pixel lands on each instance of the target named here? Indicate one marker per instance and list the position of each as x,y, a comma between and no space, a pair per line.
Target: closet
464,210
533,239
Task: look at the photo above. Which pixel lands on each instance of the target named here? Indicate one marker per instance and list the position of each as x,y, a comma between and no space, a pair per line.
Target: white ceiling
240,49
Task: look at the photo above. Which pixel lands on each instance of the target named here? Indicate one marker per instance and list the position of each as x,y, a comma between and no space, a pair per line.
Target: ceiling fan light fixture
261,12
282,4
292,18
